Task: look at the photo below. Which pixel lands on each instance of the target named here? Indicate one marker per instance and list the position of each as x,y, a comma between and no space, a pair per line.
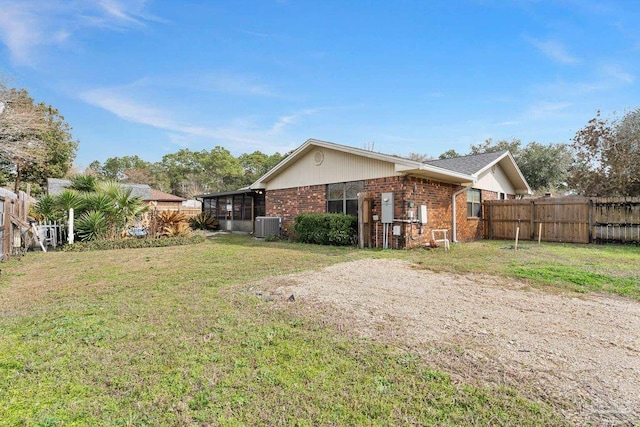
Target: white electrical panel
422,214
396,230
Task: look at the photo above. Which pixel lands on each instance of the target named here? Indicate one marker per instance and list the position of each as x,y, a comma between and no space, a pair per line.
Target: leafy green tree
544,167
606,157
196,172
257,164
115,167
489,146
449,154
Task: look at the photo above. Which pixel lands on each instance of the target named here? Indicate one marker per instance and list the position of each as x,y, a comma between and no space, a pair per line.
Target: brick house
322,176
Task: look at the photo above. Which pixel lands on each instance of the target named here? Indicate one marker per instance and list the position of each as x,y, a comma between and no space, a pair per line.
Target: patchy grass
166,336
581,268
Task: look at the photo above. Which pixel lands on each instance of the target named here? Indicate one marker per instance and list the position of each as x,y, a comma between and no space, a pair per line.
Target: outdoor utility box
267,226
387,208
422,214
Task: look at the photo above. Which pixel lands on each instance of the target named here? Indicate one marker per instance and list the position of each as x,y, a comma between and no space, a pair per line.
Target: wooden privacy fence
564,219
13,222
188,212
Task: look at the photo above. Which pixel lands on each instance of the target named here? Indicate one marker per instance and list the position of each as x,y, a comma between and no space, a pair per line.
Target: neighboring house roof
57,185
139,190
160,196
465,170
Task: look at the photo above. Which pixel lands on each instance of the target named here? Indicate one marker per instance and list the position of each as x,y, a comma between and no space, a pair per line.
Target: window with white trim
474,203
342,197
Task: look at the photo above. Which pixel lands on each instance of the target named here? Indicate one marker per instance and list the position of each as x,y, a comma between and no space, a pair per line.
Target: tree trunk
18,176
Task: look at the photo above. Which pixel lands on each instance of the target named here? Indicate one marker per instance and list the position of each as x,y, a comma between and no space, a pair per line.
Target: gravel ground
578,353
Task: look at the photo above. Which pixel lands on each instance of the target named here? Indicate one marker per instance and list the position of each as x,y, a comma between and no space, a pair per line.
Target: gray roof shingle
467,164
57,185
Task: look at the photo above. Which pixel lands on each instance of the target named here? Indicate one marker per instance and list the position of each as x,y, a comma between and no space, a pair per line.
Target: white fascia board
510,174
435,171
495,162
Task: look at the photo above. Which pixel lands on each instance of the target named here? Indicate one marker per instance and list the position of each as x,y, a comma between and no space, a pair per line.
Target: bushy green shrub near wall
326,229
96,245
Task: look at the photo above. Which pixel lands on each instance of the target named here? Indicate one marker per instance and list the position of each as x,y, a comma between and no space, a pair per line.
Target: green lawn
169,336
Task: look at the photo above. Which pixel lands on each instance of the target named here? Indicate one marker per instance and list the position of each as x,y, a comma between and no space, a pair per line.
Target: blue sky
148,78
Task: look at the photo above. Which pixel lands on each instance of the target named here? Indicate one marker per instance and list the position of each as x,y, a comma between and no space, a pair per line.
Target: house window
342,197
474,203
260,208
502,196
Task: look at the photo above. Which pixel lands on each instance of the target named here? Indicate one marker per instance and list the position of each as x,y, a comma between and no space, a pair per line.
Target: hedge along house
403,198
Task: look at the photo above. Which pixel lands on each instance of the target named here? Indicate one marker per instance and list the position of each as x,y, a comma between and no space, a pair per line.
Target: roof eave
436,173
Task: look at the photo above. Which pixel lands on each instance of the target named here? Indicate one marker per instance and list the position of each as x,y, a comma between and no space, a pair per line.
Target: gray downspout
454,237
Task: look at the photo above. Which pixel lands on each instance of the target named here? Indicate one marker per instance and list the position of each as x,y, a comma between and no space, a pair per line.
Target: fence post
490,219
533,220
8,228
590,216
70,228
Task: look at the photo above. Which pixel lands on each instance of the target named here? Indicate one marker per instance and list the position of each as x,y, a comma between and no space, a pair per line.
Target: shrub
172,224
204,221
326,229
132,243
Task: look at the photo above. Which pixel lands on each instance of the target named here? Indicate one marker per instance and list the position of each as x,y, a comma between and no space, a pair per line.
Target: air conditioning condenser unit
267,226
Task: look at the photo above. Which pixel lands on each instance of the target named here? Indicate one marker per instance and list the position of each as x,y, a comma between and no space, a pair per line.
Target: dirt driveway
580,353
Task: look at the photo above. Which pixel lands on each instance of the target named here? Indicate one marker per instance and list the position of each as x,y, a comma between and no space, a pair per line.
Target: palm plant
84,183
92,225
97,202
45,209
67,199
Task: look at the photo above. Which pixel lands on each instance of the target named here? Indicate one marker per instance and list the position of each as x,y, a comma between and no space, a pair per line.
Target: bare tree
606,157
22,125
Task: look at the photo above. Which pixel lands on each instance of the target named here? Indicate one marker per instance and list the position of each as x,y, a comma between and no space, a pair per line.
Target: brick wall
435,195
470,228
288,203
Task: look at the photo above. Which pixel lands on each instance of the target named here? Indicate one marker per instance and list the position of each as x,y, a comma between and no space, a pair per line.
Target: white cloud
19,31
547,110
285,121
128,109
27,25
554,50
243,133
235,85
118,11
618,74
